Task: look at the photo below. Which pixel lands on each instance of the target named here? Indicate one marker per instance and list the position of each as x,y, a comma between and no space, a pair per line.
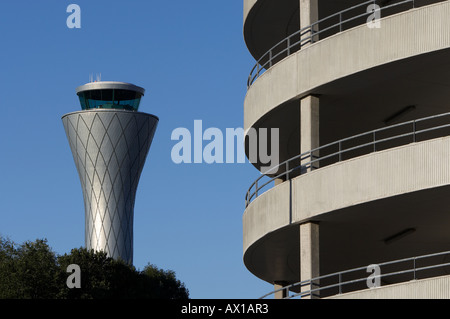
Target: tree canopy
33,271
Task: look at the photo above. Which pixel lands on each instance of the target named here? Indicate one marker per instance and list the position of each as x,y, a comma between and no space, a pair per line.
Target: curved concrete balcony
360,203
267,22
361,73
430,288
418,277
275,20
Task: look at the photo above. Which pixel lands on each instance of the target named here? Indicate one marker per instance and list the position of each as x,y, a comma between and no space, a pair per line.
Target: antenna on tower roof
99,77
91,78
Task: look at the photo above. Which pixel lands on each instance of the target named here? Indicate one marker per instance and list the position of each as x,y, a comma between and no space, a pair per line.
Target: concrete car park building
110,141
363,110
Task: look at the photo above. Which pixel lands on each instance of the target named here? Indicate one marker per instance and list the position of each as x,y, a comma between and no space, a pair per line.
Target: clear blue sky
191,58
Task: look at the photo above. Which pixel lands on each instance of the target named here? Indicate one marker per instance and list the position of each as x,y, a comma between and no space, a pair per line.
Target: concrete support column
309,129
309,256
309,13
282,293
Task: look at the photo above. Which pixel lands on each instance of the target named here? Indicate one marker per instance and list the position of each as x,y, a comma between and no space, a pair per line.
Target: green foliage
8,273
163,284
33,271
27,271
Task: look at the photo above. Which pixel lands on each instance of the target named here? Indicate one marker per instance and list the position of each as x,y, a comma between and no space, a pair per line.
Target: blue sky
191,58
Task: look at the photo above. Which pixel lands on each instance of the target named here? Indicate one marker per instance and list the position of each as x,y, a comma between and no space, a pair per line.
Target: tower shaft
109,147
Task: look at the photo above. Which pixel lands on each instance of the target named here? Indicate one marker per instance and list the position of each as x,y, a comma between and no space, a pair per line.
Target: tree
9,286
27,271
33,270
101,277
163,284
94,266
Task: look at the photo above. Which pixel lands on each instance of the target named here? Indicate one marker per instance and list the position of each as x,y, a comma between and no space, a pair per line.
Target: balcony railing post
287,170
340,285
247,199
256,189
414,131
414,261
288,46
374,142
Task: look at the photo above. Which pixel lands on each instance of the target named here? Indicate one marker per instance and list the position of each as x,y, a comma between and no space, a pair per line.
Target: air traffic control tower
110,141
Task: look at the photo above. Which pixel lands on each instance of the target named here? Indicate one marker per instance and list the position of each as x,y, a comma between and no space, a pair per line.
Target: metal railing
337,284
351,147
311,33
